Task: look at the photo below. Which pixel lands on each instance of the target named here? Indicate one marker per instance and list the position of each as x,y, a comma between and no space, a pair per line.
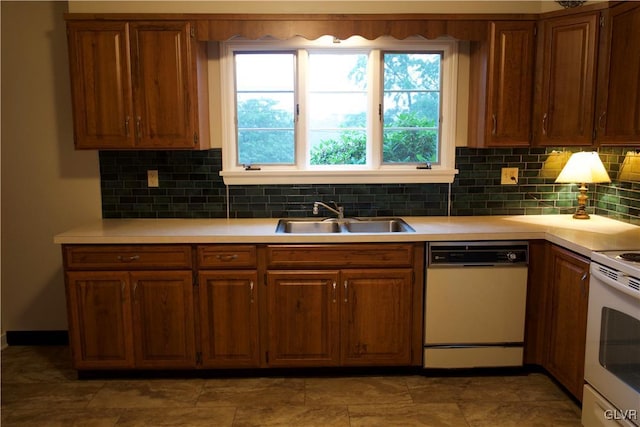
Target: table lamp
583,168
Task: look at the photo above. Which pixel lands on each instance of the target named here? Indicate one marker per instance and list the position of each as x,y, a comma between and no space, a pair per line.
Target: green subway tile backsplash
190,187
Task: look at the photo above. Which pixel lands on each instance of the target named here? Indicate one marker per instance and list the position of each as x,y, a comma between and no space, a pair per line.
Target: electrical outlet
509,176
152,178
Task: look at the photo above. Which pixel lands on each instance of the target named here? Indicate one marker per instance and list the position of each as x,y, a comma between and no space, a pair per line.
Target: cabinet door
303,318
510,83
618,108
100,84
568,319
501,86
568,81
164,90
376,316
163,319
99,308
229,318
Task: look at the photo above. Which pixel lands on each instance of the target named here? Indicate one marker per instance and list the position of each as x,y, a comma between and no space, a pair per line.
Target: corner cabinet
566,80
567,318
130,306
138,85
344,305
556,322
618,100
501,86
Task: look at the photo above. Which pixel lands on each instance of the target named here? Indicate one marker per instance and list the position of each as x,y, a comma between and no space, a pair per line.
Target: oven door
612,359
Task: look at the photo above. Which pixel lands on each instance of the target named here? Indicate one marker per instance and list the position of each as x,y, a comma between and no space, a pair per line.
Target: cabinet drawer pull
602,116
227,257
583,282
333,291
128,258
251,292
126,126
544,124
494,127
138,125
346,287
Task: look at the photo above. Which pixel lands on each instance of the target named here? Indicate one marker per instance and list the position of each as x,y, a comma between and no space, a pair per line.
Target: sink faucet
338,210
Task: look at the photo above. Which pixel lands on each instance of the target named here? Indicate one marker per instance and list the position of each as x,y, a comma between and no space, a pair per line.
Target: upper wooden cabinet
140,85
618,99
566,83
501,86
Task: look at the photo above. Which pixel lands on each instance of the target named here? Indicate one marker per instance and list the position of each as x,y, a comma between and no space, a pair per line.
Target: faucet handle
315,208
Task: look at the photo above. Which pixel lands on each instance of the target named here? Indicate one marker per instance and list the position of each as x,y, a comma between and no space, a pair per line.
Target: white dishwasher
475,301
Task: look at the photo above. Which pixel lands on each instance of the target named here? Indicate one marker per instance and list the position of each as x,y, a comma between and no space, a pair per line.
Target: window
338,111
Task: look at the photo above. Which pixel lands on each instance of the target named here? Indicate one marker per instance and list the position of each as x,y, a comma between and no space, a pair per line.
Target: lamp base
581,215
581,212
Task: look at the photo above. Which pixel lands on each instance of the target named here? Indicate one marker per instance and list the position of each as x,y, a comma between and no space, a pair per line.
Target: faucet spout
338,210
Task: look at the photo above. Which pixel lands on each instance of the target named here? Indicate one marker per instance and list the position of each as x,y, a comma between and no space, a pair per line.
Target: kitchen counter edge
581,236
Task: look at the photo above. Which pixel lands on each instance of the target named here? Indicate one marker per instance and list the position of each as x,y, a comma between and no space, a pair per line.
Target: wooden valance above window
221,27
341,26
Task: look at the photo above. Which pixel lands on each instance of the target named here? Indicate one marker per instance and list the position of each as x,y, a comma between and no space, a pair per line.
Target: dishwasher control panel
477,253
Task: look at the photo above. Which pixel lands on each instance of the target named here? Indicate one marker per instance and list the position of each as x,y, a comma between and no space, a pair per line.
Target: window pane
411,107
265,103
337,107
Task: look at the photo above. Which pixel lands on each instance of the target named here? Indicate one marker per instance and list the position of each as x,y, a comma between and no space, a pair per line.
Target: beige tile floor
39,388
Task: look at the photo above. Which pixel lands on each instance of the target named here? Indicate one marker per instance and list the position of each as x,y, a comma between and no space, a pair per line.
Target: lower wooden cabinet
163,319
303,318
333,317
99,313
244,306
376,317
229,328
344,305
567,319
556,323
131,319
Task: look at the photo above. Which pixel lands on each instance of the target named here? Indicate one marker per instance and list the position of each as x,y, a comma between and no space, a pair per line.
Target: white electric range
612,356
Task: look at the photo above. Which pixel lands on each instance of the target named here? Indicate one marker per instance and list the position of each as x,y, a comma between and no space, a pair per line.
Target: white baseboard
3,341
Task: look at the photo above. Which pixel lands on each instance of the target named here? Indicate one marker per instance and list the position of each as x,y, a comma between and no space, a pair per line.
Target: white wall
47,187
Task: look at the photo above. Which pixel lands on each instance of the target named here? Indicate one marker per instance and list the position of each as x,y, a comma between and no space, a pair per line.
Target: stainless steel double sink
347,225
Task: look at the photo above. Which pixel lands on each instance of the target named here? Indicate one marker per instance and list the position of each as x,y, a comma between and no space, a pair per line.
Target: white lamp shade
584,167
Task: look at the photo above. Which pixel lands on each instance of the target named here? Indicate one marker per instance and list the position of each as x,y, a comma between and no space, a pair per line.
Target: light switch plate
152,178
509,176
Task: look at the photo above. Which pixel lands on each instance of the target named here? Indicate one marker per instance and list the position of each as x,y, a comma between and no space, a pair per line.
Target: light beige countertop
582,236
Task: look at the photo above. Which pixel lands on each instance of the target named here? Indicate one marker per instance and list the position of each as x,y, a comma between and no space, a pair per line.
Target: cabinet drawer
226,256
341,256
126,257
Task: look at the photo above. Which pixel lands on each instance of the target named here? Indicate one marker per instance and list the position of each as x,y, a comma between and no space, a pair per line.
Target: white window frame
374,172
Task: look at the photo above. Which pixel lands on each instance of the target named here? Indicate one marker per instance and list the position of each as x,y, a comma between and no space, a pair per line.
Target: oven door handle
614,284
